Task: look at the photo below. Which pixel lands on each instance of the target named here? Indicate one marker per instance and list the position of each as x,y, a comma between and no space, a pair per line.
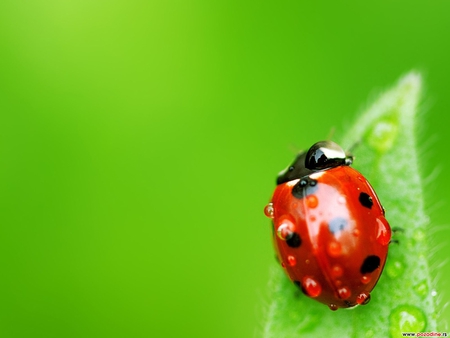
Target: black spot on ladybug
370,264
294,240
306,186
337,224
365,200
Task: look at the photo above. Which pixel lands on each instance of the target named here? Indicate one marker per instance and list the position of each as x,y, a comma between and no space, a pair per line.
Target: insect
329,228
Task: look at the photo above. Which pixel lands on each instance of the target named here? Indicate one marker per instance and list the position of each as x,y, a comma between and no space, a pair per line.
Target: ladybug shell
331,235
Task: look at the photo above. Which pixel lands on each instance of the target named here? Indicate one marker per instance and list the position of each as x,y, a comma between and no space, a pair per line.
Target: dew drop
344,293
384,231
341,200
291,260
312,201
285,229
334,249
406,318
283,264
356,232
333,307
363,298
382,136
421,289
365,279
268,210
311,287
394,268
337,271
433,293
419,235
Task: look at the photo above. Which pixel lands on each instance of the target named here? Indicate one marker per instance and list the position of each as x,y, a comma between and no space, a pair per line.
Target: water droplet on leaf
406,318
394,268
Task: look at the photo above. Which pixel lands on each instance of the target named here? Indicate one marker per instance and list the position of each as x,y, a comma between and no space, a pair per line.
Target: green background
139,142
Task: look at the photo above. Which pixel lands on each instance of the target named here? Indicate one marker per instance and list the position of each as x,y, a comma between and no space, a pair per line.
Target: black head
321,156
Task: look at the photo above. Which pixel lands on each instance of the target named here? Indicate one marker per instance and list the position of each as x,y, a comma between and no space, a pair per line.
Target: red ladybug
330,233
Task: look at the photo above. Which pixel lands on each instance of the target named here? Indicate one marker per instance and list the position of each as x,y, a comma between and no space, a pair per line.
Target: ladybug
329,228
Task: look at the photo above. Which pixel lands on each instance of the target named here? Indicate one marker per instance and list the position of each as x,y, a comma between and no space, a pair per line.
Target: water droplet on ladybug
344,293
384,231
338,283
312,201
283,264
333,307
268,210
291,260
341,200
365,279
356,232
337,271
334,249
311,287
285,229
363,298
406,318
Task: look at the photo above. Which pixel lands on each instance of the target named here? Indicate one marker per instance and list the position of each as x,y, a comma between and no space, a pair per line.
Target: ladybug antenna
353,147
349,153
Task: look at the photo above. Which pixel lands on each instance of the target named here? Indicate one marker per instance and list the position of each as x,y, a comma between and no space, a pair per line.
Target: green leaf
403,300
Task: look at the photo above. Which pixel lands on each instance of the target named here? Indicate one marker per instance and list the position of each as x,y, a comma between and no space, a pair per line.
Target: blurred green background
139,142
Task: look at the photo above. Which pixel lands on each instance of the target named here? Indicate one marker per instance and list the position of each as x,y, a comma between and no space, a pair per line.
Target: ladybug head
321,156
325,155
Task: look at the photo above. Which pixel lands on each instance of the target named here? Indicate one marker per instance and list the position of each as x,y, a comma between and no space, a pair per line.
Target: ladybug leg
395,231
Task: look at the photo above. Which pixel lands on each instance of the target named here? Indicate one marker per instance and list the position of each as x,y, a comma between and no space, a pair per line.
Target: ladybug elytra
330,232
